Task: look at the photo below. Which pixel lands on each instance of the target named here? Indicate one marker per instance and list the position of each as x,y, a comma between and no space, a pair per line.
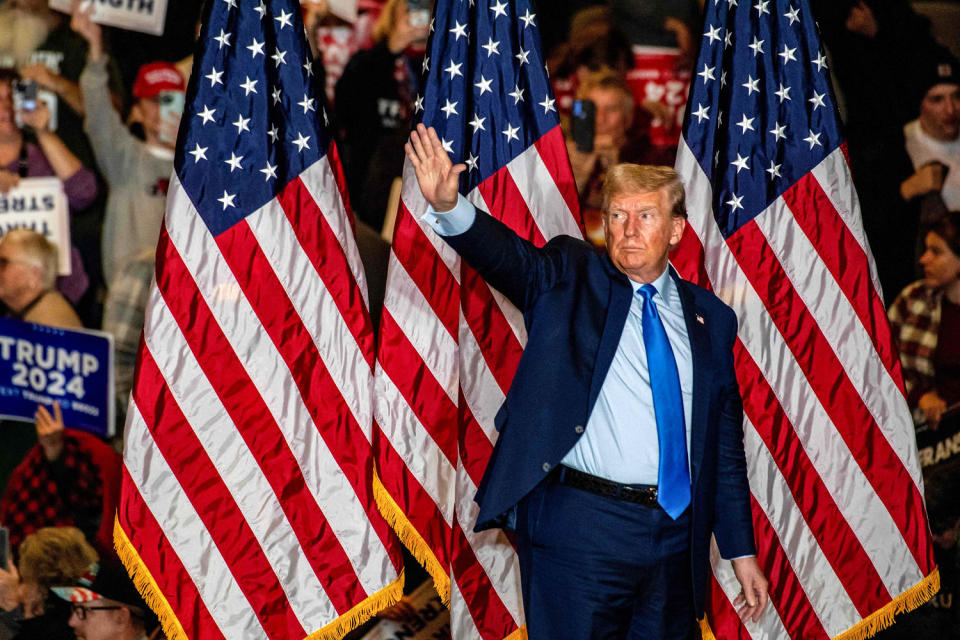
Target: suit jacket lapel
621,295
699,337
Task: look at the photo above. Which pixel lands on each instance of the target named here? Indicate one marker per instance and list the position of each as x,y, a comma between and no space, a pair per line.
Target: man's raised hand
438,177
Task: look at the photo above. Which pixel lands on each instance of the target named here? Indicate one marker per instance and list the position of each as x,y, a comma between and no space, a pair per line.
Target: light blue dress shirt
620,441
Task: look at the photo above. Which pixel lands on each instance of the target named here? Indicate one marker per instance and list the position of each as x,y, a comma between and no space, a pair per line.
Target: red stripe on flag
553,151
506,204
839,543
326,254
830,383
499,345
426,397
425,268
419,508
687,258
212,500
490,615
846,260
253,420
333,159
786,592
165,567
331,415
724,621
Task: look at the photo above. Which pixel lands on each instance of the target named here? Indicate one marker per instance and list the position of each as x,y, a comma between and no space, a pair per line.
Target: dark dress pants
597,568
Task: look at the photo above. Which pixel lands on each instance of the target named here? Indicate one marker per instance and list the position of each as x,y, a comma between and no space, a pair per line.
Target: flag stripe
189,538
323,249
845,258
723,589
475,447
498,344
786,593
552,149
828,381
344,438
214,505
416,319
836,540
423,453
503,200
239,470
172,578
544,200
436,282
833,177
419,389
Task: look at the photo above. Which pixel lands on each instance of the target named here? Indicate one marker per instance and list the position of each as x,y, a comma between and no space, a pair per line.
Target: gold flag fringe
412,539
145,584
878,620
155,599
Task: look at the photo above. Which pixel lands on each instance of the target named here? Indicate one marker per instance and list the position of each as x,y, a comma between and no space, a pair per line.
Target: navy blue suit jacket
575,303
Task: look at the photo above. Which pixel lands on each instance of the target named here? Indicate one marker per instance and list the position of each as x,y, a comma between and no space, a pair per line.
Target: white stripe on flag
462,625
546,204
811,566
270,374
183,529
422,327
480,389
336,344
833,175
321,183
413,443
236,466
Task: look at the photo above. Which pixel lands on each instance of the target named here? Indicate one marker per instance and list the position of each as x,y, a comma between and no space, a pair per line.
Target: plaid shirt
915,320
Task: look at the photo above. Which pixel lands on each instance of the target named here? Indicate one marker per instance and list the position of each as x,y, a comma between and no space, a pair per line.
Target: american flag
449,344
247,508
775,229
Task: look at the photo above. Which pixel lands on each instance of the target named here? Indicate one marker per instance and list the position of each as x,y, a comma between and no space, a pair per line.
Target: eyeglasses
81,611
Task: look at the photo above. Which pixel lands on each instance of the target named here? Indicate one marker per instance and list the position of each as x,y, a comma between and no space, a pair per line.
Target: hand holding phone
583,124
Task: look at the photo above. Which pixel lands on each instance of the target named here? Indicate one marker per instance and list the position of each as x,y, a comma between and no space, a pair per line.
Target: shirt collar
664,284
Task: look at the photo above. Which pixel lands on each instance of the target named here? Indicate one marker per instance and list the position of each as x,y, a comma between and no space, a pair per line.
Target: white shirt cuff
453,222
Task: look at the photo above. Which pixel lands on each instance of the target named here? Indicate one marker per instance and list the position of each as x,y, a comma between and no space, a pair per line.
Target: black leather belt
635,493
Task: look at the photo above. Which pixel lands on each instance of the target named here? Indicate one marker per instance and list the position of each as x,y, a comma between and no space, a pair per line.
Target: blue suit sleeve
512,265
733,520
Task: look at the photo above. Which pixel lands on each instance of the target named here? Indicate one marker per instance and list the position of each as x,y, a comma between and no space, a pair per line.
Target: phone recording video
583,124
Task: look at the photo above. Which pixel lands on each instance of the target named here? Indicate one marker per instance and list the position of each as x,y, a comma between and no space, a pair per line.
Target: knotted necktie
673,490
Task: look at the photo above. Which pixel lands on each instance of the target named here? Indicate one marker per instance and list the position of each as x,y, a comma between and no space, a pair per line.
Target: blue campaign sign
43,365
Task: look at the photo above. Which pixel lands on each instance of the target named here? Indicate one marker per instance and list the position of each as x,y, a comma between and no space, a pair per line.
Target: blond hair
55,556
38,251
630,178
386,20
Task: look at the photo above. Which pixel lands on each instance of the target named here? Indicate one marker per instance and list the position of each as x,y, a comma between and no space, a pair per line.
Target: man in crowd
28,274
137,171
621,445
933,140
109,607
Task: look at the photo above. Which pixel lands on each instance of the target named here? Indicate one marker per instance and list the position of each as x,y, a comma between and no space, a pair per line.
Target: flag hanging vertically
775,230
449,344
246,508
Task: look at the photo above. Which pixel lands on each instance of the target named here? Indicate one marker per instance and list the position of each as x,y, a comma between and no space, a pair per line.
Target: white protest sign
428,619
147,16
39,204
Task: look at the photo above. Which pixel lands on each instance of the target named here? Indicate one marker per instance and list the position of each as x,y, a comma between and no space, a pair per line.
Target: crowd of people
107,133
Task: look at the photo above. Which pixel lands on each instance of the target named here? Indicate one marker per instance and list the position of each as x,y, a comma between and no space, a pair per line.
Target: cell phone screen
4,547
583,124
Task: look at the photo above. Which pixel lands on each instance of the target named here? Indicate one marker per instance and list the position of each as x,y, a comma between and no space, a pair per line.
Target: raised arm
512,265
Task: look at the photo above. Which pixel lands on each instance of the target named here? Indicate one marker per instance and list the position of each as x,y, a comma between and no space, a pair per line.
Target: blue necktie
673,490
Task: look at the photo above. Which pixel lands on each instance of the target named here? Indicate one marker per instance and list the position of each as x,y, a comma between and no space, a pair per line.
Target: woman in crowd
48,156
925,319
49,557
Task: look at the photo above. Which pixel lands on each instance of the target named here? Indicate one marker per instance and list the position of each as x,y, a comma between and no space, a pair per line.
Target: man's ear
679,224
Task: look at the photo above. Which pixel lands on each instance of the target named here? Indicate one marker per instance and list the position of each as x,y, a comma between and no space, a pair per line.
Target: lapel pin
700,319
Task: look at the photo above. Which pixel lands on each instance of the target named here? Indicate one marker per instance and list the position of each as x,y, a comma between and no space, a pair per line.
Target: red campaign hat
154,77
